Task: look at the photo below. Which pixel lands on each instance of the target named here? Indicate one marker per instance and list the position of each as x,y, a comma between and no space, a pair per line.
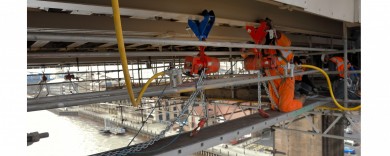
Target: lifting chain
139,147
204,104
267,91
272,83
259,89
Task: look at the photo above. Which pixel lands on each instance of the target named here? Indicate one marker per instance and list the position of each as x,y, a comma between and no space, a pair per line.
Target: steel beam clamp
289,68
175,76
202,29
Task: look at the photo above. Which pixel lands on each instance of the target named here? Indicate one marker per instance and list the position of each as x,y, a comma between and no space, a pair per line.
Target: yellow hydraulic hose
340,107
141,93
122,52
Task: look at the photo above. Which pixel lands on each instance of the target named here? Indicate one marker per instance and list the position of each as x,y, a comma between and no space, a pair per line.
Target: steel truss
316,131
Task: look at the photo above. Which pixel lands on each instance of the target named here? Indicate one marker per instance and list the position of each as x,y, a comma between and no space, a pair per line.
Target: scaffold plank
183,144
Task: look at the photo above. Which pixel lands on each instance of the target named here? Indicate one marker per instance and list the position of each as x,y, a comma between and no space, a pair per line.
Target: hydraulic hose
141,93
122,52
340,107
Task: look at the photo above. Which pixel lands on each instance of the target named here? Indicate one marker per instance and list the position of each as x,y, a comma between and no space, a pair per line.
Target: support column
273,142
231,68
345,36
163,111
105,75
119,83
171,110
139,74
332,146
294,143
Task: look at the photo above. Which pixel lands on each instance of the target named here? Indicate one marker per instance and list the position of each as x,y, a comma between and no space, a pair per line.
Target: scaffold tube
340,107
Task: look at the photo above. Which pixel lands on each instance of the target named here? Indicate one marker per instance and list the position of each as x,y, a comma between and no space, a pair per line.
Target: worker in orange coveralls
303,85
284,86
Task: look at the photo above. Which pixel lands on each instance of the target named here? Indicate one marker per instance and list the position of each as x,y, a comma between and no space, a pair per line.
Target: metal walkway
183,144
44,103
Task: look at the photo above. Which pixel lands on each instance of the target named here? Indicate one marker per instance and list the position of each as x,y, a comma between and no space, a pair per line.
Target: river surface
71,135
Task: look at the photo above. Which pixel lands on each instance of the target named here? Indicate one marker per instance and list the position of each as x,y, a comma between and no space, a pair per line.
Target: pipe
337,72
106,94
320,53
40,55
106,39
345,31
339,100
89,98
122,51
225,99
340,107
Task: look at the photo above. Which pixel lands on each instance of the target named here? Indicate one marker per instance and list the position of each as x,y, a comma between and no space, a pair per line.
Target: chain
144,145
259,89
269,96
272,83
204,104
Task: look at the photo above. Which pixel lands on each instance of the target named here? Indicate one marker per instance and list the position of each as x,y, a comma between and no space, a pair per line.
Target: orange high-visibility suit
339,62
285,87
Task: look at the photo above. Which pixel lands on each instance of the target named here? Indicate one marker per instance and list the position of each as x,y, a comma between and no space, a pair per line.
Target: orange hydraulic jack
200,125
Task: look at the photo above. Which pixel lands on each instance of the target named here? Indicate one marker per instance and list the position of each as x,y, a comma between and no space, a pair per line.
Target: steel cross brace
284,126
321,134
333,123
305,115
353,124
311,123
339,116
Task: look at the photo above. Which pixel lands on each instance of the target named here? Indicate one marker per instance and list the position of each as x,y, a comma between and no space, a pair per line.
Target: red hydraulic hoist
195,64
264,59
